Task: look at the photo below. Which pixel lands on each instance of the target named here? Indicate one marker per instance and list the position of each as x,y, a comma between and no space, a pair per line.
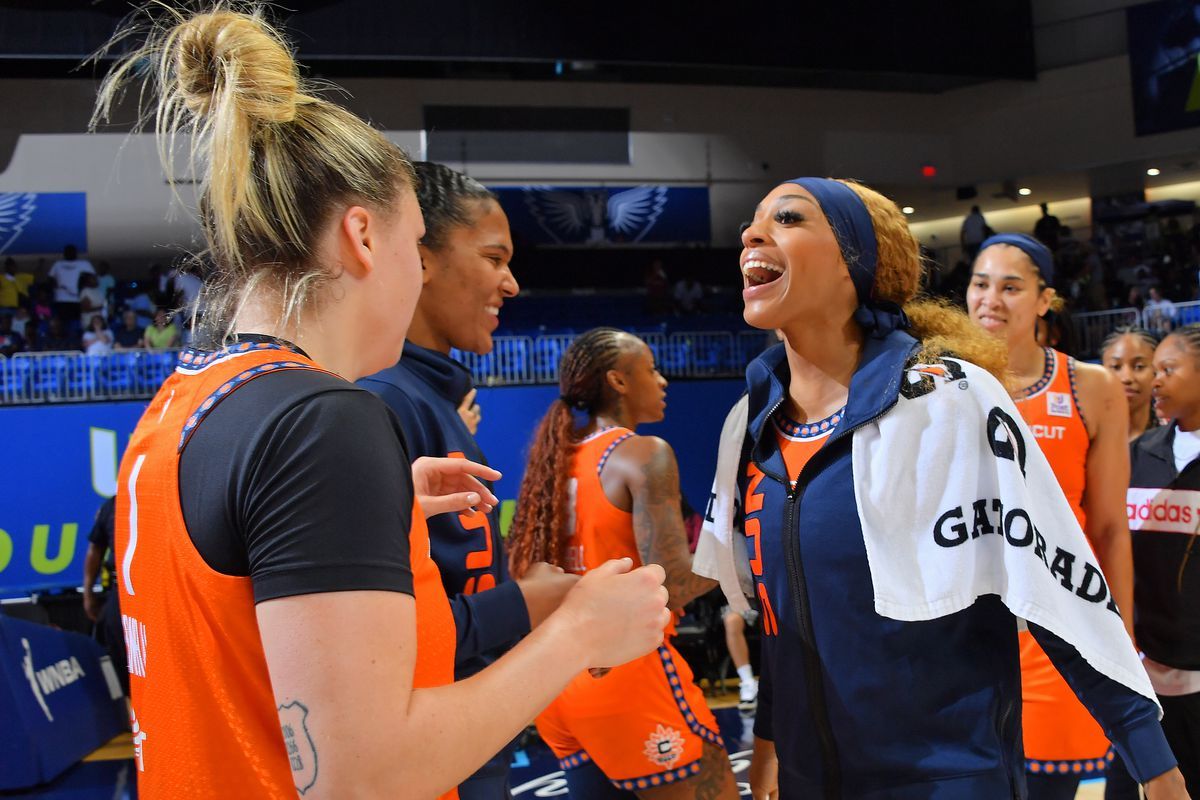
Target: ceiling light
1024,191
1153,171
908,209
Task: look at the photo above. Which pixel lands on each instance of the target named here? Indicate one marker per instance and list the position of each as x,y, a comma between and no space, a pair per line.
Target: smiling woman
871,385
1079,416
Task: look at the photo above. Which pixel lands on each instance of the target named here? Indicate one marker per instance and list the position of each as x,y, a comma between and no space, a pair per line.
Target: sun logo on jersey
664,747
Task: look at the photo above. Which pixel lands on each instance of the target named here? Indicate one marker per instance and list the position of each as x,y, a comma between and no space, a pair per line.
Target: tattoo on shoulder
301,750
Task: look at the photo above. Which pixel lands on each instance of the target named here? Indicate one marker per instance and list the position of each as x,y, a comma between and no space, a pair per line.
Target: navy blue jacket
861,706
425,389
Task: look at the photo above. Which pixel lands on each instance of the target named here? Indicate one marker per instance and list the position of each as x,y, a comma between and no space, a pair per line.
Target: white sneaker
748,695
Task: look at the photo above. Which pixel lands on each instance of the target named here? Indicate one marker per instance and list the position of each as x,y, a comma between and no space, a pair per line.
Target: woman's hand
764,771
445,485
544,586
1168,786
470,412
615,613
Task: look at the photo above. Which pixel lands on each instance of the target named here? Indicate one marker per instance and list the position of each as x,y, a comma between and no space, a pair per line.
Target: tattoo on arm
658,527
301,750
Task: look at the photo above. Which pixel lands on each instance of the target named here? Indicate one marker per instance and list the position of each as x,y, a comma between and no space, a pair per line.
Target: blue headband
855,234
1037,252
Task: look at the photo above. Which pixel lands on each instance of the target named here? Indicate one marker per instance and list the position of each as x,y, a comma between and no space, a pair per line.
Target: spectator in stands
10,341
10,290
57,338
1159,314
688,295
142,303
65,273
42,309
92,302
28,330
106,281
97,339
974,231
658,287
1048,229
130,335
163,333
21,320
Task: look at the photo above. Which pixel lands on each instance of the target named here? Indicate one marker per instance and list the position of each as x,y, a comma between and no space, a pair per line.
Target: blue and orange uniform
1061,737
229,496
424,390
645,723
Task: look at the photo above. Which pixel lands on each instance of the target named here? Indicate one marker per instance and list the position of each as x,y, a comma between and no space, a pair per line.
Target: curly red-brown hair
538,530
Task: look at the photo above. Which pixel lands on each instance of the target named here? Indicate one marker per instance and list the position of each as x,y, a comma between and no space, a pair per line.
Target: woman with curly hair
595,490
879,495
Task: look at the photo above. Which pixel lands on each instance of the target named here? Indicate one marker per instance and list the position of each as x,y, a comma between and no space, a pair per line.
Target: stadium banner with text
42,222
63,464
607,215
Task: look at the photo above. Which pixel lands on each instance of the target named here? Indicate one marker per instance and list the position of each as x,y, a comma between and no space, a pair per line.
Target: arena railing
1092,327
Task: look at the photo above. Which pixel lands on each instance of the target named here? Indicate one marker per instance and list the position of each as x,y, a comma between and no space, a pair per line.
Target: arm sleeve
764,726
489,621
1129,720
322,505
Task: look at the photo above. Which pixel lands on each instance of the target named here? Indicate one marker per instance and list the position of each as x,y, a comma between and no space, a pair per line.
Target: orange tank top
1059,732
204,717
599,530
1051,409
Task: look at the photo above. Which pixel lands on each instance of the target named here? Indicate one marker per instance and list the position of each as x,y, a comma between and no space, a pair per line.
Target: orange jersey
203,713
645,723
1057,728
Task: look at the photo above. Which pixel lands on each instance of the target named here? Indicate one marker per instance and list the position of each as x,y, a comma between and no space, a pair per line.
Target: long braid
539,528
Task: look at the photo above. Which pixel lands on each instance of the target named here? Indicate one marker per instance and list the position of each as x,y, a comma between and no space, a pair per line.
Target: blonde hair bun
225,55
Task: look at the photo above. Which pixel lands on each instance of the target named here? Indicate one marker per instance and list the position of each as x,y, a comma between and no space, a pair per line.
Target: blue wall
61,462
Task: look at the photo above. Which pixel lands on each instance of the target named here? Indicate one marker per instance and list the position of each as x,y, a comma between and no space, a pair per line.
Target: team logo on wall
596,215
664,747
42,222
16,210
607,215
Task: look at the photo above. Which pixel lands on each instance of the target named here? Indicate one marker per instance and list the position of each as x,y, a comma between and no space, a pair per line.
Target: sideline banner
62,464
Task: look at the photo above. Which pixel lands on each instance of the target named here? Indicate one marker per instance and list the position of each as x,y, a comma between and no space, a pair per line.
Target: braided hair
1190,334
1147,337
445,197
539,528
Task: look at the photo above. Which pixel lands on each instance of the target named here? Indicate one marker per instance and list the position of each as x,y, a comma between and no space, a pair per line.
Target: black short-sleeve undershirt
299,481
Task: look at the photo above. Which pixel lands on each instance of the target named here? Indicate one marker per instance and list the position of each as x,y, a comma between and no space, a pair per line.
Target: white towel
945,483
720,554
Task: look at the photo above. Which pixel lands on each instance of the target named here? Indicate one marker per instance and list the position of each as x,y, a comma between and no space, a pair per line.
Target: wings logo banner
606,215
33,222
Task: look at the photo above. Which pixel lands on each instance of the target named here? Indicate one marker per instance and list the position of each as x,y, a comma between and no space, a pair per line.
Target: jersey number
478,559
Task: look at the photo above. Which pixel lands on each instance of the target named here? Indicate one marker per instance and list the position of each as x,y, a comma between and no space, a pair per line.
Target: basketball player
595,490
1080,418
1128,353
465,277
855,702
288,632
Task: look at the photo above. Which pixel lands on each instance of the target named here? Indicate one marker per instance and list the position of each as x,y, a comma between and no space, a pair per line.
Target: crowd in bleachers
1149,261
77,306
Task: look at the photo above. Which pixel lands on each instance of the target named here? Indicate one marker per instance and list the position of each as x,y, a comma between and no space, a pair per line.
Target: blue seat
120,375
